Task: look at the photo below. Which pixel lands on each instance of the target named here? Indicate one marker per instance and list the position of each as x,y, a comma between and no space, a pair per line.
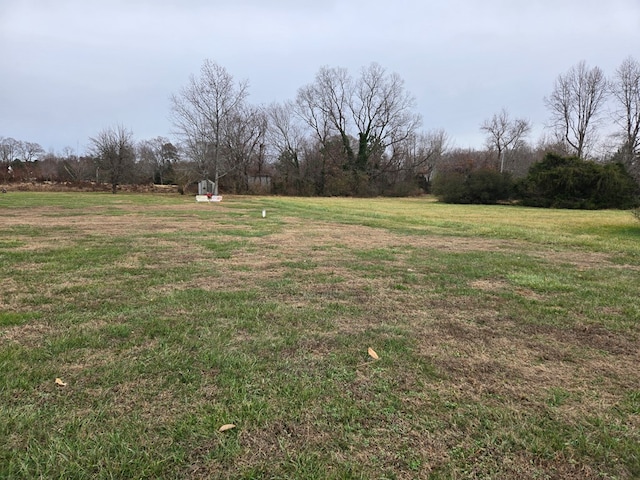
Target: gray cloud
70,68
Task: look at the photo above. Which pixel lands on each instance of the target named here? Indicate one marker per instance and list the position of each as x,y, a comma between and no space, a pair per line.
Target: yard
333,338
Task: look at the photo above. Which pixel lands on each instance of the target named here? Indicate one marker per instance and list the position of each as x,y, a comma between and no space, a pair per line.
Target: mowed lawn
342,338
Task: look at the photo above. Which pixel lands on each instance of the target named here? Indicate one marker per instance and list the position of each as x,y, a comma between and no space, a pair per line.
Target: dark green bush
483,186
569,182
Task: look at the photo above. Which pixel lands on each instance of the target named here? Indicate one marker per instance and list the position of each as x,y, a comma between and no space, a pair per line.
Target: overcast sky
70,68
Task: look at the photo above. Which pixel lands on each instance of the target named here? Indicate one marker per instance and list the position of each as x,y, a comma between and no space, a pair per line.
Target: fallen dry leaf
226,427
60,382
373,354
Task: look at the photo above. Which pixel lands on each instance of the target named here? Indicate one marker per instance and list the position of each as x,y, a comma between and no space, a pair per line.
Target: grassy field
507,339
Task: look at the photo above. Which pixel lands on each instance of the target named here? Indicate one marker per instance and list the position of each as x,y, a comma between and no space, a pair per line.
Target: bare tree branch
200,113
625,88
115,152
504,133
576,105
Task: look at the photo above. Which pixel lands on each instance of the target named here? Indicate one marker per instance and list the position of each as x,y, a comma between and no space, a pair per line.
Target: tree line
341,135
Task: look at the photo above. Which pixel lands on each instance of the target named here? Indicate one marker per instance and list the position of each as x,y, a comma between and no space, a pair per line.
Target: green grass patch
222,249
506,339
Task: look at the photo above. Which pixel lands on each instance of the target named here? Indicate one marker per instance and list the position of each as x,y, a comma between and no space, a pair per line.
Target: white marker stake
264,213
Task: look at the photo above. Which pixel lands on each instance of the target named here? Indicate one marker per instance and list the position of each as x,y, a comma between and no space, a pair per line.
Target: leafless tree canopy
342,134
504,133
285,134
369,115
201,113
244,143
158,155
625,88
8,149
576,105
12,149
115,150
424,152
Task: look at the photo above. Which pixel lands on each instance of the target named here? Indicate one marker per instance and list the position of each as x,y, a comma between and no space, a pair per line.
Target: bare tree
184,173
244,143
625,88
31,151
68,165
286,139
382,112
10,149
323,105
146,160
369,115
505,134
115,151
200,113
424,152
576,105
284,133
158,154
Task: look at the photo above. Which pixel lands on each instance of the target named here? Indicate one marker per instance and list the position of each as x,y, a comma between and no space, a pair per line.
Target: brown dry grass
483,356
